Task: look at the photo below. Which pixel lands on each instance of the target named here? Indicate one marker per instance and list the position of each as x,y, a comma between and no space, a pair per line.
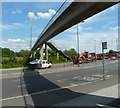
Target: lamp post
78,42
30,37
95,48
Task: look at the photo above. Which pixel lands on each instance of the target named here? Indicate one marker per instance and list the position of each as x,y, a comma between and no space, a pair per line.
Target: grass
11,66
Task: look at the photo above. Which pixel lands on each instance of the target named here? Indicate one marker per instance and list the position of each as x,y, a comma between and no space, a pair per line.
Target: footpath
100,94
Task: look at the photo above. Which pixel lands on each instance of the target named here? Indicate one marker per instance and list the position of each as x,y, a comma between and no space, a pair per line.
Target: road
51,86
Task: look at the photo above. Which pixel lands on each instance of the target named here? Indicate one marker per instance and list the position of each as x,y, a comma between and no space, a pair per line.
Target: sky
19,17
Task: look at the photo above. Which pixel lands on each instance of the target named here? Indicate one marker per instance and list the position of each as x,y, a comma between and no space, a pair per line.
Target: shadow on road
44,92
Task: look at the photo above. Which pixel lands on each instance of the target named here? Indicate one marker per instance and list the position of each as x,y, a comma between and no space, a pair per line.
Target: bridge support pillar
34,54
41,52
31,56
46,52
57,56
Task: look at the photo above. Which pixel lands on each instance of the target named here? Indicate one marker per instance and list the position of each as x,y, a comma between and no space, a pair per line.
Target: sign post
104,46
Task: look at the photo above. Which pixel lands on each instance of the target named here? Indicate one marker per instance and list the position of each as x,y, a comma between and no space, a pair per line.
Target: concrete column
31,56
34,54
57,56
41,53
46,52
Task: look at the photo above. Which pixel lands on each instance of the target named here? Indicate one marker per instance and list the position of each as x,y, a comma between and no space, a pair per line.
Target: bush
14,62
53,59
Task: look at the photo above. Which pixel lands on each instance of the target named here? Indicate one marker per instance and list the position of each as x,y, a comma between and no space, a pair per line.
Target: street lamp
78,42
95,48
30,37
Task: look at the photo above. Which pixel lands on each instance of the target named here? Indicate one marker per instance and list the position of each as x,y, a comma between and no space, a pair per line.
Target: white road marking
76,77
75,85
23,85
62,80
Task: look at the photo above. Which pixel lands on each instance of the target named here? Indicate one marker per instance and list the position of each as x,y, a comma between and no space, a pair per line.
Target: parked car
113,58
39,64
106,57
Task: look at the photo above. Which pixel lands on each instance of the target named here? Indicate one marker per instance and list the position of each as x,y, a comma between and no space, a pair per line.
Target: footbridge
57,50
68,15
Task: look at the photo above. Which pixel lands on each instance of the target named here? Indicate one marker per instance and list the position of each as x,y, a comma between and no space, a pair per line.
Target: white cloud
15,40
16,12
87,41
42,15
6,26
114,28
11,26
80,28
17,44
31,15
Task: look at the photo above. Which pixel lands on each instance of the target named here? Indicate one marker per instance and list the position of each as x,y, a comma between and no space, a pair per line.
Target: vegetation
22,53
6,52
10,59
13,62
112,52
71,52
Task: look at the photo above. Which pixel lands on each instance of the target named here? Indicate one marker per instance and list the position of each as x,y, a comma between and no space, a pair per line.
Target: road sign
104,45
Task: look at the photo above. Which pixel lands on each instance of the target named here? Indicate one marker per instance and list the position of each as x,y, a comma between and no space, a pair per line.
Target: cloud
15,40
10,26
42,15
114,28
31,15
16,12
80,28
87,41
6,26
17,44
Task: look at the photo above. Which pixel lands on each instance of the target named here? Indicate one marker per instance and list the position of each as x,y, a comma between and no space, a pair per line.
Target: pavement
100,98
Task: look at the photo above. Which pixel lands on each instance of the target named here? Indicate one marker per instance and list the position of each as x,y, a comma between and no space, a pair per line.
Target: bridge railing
56,15
56,45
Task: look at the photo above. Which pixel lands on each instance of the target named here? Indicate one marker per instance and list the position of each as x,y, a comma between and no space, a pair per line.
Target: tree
6,52
112,52
72,52
23,53
51,52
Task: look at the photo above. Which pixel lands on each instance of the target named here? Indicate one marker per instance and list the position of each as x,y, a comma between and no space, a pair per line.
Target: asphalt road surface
51,86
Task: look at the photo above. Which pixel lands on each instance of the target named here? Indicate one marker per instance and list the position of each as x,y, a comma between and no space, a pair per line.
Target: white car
39,64
113,58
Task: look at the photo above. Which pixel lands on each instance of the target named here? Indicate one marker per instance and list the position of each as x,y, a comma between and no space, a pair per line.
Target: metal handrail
56,45
55,16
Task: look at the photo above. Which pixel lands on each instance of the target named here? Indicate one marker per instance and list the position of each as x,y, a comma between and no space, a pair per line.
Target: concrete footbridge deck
68,15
